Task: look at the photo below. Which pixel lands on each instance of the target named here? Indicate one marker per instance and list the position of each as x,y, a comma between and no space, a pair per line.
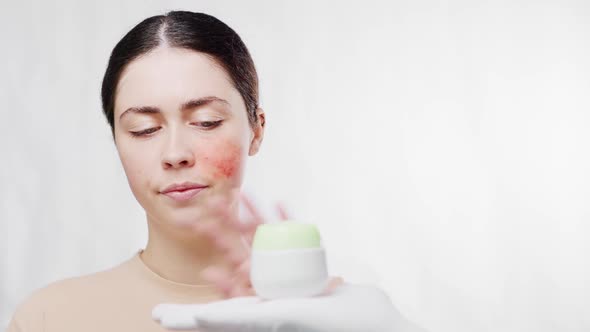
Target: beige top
118,299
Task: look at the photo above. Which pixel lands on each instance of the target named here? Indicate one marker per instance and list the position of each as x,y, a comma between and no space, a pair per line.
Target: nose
177,152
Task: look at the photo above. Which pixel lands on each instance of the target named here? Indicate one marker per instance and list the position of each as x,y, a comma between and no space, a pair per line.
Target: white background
442,146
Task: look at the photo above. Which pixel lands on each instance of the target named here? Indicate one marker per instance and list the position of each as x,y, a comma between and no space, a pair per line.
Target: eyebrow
191,104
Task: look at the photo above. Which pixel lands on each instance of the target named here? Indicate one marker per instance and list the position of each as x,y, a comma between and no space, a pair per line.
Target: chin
183,216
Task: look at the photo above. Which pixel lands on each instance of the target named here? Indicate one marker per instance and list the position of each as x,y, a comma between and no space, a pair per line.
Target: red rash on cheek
226,158
227,167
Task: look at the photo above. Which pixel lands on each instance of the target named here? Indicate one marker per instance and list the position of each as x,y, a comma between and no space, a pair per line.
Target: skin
201,241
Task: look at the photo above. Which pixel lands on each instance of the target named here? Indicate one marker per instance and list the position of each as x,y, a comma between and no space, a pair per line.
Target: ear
258,132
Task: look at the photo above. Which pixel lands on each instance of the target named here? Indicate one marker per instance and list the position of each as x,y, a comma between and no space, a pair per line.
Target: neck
178,255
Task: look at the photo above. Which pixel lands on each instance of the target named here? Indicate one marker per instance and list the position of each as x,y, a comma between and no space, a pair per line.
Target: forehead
167,77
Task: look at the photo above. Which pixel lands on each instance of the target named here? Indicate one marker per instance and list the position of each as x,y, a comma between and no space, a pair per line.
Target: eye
144,132
208,124
203,124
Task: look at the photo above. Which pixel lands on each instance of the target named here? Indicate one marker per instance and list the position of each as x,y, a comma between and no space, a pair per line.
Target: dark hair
195,31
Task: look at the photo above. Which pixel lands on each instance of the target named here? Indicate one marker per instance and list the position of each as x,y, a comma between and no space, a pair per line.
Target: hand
349,308
233,236
235,280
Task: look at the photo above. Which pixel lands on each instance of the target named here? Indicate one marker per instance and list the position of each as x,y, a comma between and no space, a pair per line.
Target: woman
180,94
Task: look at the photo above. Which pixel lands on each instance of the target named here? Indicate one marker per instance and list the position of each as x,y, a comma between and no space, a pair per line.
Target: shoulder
31,313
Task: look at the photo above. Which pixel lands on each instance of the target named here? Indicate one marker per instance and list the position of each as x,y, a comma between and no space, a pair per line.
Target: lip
181,196
182,187
183,191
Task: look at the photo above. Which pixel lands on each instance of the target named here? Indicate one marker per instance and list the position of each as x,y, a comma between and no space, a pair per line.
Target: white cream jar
288,261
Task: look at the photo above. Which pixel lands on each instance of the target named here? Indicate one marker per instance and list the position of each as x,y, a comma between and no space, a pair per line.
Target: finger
232,245
256,215
227,228
222,208
249,238
282,211
218,277
245,226
241,285
231,219
243,272
225,241
237,258
234,254
242,291
334,283
230,284
234,282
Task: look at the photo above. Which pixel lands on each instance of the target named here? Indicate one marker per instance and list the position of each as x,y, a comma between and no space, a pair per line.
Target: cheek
131,165
226,159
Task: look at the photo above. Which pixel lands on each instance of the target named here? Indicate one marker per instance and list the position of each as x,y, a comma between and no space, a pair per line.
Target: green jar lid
286,235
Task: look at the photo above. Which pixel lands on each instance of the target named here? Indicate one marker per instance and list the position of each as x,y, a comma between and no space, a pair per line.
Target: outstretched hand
235,280
340,308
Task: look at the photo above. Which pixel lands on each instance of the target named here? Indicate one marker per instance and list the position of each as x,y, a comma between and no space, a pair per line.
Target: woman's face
178,118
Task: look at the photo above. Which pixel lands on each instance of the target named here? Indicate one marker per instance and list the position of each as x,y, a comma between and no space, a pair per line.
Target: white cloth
349,308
